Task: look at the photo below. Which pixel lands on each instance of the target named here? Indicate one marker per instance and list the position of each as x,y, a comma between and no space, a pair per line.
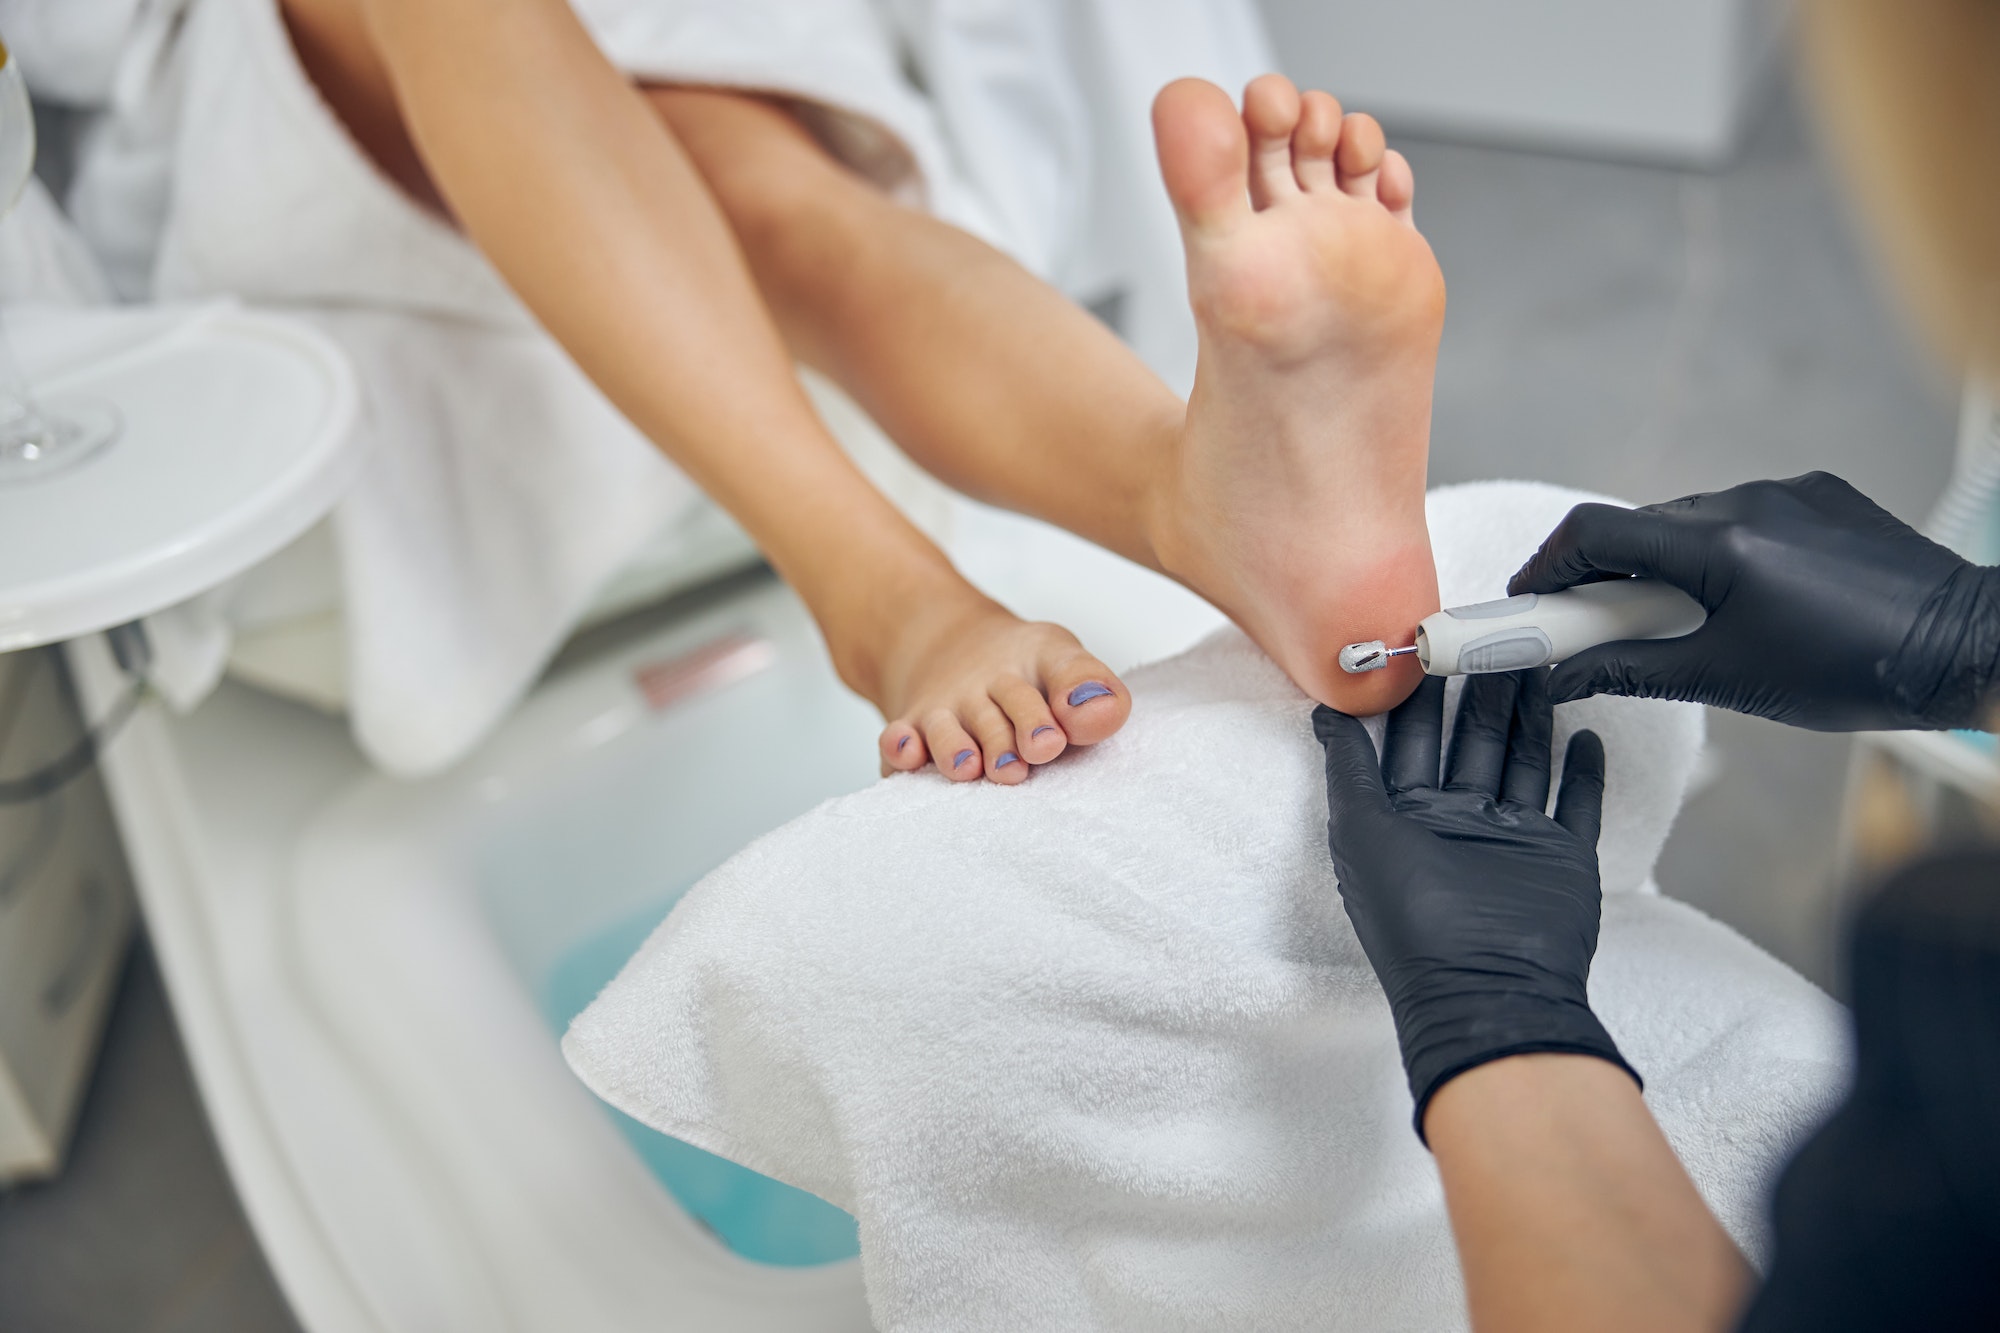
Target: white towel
501,490
1101,1051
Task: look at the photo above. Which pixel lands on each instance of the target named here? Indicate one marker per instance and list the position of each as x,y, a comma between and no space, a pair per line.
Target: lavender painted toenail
1087,691
959,760
1039,730
1008,757
901,743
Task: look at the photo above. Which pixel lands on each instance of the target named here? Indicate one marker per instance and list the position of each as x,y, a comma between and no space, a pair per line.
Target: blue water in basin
1982,741
754,1215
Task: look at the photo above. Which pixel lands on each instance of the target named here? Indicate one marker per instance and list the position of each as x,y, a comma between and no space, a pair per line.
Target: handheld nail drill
1532,629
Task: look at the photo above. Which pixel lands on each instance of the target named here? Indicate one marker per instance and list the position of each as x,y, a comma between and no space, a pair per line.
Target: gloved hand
1477,910
1824,610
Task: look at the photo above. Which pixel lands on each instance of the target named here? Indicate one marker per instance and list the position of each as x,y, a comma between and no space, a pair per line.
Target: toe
1203,153
1038,738
903,748
952,748
1001,751
1359,157
1314,140
1397,189
1270,114
1089,702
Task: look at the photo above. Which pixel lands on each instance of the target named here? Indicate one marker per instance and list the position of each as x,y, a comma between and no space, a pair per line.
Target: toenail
1087,691
901,743
959,760
1039,730
1006,758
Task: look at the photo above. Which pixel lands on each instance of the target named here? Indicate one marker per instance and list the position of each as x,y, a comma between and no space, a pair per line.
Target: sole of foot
1295,499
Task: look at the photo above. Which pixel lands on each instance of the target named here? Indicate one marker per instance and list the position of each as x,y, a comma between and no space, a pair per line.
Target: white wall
1645,79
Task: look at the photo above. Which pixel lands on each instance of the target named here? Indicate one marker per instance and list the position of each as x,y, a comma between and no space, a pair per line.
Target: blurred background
1654,290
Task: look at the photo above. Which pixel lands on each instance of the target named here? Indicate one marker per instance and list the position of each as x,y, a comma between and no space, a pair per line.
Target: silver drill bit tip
1356,658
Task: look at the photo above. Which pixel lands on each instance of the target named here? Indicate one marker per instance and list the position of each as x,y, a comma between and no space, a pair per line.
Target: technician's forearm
1569,1208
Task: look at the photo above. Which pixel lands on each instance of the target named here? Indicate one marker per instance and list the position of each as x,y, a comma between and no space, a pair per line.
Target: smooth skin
1288,490
1570,1210
651,295
708,241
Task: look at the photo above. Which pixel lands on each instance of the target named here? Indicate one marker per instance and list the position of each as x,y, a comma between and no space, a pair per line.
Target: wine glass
36,439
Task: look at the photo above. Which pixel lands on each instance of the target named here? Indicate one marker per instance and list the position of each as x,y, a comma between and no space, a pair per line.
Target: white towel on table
1102,1051
501,490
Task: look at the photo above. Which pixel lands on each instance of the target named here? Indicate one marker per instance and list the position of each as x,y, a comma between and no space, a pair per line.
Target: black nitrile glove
1478,911
1824,610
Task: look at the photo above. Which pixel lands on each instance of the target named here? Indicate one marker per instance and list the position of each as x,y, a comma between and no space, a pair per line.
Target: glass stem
22,422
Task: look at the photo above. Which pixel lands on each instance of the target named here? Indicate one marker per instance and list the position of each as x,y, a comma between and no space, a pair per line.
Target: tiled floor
142,1233
1640,331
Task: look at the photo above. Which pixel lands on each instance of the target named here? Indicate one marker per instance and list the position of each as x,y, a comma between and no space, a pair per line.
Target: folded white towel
1102,1052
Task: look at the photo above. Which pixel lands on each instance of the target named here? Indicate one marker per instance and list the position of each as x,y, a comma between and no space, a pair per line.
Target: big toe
1203,152
1089,702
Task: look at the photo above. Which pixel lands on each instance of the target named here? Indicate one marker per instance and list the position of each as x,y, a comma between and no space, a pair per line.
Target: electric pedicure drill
1532,629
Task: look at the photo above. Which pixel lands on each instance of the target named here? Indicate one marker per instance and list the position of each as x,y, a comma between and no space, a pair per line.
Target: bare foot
1296,498
978,691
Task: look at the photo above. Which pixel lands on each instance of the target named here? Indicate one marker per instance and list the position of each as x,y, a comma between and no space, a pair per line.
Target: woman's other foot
1295,497
981,693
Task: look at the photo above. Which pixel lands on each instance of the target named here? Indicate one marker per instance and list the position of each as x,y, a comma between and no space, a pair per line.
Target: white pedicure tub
370,975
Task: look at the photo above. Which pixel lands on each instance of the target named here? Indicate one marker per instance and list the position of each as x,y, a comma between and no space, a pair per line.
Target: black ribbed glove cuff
1443,1039
1948,671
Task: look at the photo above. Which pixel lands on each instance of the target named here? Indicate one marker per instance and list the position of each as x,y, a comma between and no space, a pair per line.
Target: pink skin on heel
1296,498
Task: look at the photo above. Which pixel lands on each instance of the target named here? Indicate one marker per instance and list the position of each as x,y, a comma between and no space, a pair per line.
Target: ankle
1160,508
880,611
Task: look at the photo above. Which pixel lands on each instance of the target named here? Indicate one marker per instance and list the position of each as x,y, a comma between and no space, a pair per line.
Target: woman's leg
989,378
1290,492
504,112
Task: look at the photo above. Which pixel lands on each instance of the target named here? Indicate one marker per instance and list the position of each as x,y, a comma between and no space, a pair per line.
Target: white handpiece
1532,629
